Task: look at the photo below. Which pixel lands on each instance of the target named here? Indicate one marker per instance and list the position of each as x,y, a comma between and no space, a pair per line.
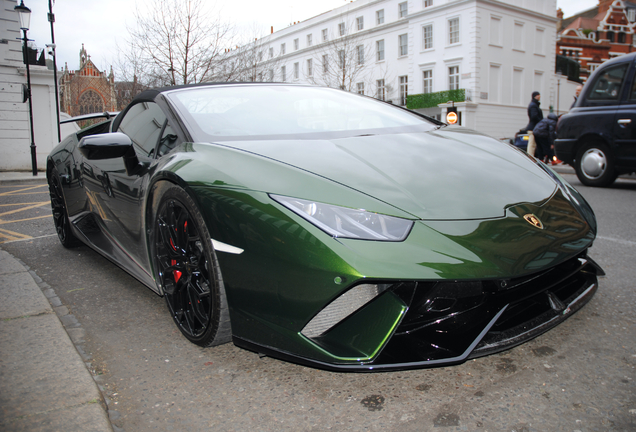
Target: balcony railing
428,100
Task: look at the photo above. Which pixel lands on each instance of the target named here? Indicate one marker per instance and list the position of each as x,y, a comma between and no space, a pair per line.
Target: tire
187,269
60,215
594,165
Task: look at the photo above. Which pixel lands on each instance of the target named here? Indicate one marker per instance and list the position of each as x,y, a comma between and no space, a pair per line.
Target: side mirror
105,146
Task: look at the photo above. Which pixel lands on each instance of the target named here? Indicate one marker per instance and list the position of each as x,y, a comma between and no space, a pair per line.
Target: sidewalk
44,383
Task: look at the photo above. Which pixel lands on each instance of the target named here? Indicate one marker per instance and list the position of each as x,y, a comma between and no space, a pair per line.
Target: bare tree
177,41
343,60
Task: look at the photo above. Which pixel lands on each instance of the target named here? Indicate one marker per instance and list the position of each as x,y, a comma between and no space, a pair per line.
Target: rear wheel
60,215
594,165
188,271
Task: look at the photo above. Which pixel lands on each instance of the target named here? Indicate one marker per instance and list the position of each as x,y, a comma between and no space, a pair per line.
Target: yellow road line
17,192
34,205
2,222
11,236
19,204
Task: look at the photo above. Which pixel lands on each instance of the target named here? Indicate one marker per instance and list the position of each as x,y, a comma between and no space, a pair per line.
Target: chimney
272,29
560,13
604,5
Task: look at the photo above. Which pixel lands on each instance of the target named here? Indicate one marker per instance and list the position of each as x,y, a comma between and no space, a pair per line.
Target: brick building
87,90
597,34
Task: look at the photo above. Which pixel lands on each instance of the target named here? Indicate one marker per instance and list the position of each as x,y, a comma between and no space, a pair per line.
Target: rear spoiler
107,115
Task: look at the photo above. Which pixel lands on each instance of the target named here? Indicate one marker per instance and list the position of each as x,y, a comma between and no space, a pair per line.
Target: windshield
231,112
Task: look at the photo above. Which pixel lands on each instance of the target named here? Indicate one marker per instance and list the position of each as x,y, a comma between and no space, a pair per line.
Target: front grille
446,319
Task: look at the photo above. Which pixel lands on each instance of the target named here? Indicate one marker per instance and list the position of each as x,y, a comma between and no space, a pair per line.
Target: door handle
624,121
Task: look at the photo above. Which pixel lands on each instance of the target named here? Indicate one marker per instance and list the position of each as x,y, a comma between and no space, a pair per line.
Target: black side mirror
105,146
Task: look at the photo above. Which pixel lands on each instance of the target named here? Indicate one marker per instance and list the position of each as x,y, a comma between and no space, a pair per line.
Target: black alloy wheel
187,270
60,215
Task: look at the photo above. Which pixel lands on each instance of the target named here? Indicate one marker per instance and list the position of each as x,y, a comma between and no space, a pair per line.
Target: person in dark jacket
544,135
535,115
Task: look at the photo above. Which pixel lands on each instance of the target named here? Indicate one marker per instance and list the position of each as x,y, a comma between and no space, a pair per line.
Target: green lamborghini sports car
326,228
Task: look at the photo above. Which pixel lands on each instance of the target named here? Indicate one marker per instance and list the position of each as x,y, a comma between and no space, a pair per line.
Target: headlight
348,223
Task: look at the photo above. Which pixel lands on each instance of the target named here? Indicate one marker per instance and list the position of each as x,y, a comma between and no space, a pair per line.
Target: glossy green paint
289,268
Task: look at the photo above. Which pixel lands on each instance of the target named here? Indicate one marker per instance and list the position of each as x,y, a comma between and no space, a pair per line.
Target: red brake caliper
175,273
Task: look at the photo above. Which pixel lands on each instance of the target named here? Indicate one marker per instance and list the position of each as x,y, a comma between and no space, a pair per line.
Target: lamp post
52,46
24,13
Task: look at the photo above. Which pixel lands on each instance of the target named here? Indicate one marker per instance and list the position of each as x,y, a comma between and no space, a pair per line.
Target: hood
448,174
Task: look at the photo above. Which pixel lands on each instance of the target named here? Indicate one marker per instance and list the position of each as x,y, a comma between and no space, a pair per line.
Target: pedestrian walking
535,115
544,134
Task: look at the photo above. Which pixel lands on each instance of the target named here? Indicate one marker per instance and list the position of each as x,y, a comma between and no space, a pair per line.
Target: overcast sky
100,25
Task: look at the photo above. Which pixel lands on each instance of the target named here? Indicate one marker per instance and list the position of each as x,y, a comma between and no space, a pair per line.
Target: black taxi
598,136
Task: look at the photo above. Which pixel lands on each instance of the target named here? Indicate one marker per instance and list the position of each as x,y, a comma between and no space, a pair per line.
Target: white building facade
498,53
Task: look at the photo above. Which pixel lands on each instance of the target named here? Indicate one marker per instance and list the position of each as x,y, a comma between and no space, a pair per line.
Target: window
607,85
404,88
360,88
325,35
517,86
403,9
379,49
360,23
341,29
283,73
309,41
631,15
271,75
495,30
379,17
427,75
169,140
271,52
610,36
341,59
296,44
428,3
592,67
325,63
310,69
427,36
381,90
494,83
621,37
453,31
296,70
403,42
517,36
142,123
282,49
453,78
360,54
539,41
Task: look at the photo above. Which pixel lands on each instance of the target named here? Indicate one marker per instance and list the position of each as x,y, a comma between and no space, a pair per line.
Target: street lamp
24,13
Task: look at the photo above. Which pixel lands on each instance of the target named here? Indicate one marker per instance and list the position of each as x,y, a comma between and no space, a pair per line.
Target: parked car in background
598,136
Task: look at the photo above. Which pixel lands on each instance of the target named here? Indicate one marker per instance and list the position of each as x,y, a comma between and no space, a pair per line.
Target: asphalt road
580,376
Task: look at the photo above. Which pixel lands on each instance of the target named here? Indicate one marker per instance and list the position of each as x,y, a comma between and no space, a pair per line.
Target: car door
625,125
117,191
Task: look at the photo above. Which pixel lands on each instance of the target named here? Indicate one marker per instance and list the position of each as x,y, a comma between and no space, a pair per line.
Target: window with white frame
260,56
360,54
296,70
310,68
341,59
453,31
517,86
379,17
325,35
360,23
360,88
539,37
427,36
283,73
517,36
271,75
379,49
404,88
403,9
282,49
592,66
309,40
403,42
495,30
271,52
427,76
428,3
325,63
453,78
296,44
341,29
380,92
494,84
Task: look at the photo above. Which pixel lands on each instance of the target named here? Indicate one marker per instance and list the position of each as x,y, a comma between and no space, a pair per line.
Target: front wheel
187,269
594,165
60,214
